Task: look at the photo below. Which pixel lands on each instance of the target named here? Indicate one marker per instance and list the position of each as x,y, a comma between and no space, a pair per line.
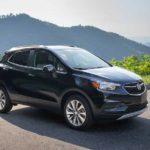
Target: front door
46,87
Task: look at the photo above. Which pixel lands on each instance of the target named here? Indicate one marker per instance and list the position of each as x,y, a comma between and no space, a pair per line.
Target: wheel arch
74,92
3,85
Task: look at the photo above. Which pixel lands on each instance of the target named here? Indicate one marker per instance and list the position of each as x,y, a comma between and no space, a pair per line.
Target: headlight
104,85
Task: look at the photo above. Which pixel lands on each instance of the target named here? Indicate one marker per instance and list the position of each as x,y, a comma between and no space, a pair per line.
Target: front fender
76,91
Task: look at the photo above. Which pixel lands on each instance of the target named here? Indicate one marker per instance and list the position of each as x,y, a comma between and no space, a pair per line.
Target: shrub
139,65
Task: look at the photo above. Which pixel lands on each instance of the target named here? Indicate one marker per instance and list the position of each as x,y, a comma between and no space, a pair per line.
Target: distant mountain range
140,39
25,30
147,44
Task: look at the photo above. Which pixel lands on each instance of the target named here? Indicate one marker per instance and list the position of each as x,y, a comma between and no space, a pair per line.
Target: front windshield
81,59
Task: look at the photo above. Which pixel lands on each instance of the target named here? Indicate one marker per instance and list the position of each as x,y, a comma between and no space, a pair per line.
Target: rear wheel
77,112
5,103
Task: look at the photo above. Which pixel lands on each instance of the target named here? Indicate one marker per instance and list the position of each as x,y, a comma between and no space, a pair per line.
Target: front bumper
132,114
118,107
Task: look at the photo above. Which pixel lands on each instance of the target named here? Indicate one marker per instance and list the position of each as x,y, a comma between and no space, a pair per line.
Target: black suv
70,81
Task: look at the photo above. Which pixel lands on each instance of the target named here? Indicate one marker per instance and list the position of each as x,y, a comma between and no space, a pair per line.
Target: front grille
135,88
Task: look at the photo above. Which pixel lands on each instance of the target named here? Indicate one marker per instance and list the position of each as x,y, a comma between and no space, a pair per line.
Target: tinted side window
59,66
43,58
20,58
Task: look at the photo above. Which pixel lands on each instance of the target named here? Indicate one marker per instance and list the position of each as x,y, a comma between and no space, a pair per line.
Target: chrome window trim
29,67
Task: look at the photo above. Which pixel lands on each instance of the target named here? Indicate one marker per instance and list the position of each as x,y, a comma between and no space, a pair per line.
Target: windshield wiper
81,68
87,68
94,67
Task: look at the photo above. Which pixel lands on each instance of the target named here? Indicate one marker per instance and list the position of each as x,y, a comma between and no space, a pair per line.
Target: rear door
17,75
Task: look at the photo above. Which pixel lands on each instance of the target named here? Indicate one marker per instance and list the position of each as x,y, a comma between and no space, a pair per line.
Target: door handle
31,75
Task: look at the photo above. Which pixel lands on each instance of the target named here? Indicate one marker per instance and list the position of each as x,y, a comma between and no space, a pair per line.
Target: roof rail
27,46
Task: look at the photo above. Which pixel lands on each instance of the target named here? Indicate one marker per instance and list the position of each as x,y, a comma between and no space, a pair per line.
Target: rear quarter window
4,57
20,58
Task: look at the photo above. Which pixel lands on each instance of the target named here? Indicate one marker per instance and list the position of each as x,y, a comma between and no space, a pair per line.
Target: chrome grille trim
132,86
129,86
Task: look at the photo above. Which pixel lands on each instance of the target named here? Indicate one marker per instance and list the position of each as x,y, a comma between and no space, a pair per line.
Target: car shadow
131,134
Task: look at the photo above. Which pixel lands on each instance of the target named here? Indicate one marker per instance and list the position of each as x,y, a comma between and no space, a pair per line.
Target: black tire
88,119
8,105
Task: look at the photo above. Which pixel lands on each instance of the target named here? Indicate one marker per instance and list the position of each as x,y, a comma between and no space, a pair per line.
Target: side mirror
48,68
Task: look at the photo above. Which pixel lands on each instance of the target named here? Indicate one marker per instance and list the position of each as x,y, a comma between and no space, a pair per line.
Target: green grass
146,79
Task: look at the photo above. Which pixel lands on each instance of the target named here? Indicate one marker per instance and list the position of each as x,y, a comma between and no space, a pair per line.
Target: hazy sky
127,17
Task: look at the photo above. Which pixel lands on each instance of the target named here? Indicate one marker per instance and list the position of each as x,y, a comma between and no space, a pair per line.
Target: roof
52,47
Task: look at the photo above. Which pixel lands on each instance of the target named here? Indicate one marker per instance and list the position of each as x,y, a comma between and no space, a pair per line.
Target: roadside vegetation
139,65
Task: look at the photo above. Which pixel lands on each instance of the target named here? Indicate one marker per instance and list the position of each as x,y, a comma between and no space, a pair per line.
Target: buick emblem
138,86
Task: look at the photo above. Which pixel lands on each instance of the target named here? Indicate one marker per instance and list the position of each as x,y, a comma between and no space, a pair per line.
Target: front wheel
77,112
5,103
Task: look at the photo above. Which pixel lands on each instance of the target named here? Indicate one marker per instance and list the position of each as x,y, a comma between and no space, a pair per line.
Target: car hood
115,74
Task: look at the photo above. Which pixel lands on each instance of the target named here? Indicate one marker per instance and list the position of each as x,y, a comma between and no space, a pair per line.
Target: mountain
143,40
16,30
147,44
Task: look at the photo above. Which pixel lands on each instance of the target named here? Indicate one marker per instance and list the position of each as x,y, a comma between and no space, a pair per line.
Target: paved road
27,128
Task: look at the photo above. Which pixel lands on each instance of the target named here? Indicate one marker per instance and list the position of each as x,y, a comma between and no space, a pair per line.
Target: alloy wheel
76,113
2,100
